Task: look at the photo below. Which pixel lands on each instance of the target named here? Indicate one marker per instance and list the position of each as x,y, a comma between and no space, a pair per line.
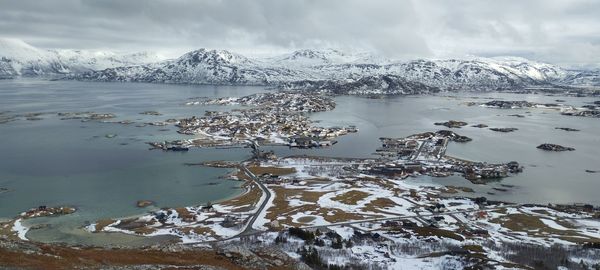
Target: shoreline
235,170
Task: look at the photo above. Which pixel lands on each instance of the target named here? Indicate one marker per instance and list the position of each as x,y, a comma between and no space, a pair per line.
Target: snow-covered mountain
201,67
18,58
308,58
320,70
588,78
300,67
335,71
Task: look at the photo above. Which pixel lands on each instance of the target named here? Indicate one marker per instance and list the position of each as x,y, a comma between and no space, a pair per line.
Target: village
270,118
425,153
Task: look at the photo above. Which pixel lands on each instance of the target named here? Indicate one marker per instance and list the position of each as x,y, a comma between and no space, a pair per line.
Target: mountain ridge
317,70
18,58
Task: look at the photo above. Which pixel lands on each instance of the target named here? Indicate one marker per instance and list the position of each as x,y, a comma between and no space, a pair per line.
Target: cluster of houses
273,118
267,118
256,124
424,153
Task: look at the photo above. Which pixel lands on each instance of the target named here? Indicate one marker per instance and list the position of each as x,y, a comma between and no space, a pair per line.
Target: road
249,230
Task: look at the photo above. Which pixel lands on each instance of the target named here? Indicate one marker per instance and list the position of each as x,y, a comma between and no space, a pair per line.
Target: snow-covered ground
321,70
20,229
388,223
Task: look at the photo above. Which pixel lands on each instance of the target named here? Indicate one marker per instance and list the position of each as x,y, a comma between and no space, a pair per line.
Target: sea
103,168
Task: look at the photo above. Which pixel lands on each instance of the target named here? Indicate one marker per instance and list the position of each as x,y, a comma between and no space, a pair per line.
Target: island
451,124
567,129
554,147
505,130
270,118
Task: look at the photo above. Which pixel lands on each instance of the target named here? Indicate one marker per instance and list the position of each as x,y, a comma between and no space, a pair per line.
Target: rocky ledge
554,147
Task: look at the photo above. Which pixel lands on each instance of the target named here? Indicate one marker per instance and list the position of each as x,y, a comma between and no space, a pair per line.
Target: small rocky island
480,126
582,113
505,130
144,203
567,129
44,211
502,104
554,147
451,124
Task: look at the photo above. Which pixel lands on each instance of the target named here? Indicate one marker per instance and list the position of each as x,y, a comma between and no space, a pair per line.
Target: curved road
249,230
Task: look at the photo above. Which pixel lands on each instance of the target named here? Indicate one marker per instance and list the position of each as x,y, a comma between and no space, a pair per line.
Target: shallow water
69,162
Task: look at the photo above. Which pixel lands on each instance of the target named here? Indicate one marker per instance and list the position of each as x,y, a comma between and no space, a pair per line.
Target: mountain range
18,58
315,70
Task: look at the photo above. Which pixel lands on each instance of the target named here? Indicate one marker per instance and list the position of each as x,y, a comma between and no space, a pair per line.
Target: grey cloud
554,31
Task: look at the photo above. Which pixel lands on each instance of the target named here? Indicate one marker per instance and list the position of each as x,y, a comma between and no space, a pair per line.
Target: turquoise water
69,162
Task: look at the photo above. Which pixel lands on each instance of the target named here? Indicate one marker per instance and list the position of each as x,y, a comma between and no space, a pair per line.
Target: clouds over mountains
563,32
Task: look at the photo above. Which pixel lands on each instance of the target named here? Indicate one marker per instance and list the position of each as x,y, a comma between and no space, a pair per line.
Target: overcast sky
561,32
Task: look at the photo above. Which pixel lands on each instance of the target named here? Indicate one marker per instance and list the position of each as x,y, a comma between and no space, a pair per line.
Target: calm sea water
549,177
69,162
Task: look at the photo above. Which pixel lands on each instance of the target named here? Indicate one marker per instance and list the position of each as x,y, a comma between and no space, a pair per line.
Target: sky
560,32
